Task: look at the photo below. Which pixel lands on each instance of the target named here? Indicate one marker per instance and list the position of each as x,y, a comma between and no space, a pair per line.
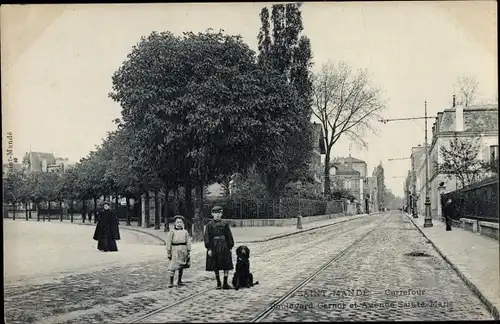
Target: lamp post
428,217
299,216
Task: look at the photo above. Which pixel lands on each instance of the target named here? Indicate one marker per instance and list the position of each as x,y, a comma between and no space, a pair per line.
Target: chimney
453,101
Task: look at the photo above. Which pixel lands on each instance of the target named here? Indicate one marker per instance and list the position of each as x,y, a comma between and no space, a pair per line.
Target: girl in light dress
178,250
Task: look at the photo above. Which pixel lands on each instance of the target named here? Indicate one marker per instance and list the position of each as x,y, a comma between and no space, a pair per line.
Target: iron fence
478,201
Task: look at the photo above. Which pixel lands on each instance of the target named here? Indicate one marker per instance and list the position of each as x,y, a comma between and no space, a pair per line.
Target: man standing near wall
447,213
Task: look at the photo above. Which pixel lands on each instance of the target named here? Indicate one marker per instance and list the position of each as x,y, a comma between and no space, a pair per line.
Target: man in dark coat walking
447,213
219,242
107,231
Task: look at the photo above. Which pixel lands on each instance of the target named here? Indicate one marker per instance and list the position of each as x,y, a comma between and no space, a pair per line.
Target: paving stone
380,265
125,292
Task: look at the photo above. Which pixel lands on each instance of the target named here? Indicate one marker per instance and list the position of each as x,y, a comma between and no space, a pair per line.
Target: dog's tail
256,283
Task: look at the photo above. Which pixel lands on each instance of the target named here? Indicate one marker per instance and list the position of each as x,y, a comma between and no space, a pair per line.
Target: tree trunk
60,207
198,213
26,209
48,211
157,210
189,206
72,210
137,208
128,210
147,210
165,212
176,201
94,212
84,210
14,211
117,204
29,212
37,206
327,189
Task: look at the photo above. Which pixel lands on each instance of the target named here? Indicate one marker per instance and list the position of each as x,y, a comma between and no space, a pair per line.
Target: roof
348,159
36,158
51,159
342,170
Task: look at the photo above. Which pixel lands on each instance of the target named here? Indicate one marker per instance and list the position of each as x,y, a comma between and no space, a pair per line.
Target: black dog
242,277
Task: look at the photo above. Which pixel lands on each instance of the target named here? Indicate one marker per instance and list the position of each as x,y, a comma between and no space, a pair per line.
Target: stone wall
280,222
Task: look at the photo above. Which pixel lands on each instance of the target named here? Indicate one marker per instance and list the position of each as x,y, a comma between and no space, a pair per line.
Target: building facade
350,174
475,122
372,189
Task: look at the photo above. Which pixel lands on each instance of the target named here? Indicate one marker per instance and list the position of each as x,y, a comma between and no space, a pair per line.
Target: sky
57,63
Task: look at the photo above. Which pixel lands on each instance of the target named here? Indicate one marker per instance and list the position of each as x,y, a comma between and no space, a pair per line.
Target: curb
301,231
144,232
489,305
125,227
259,240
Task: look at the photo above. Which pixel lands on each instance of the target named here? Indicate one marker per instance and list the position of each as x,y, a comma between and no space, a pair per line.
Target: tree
467,90
199,108
346,104
461,160
340,193
283,49
14,188
69,187
381,188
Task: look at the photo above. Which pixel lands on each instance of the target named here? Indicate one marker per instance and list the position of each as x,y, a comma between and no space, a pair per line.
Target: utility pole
428,217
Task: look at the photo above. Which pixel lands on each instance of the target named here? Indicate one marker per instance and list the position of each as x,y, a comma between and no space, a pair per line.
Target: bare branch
467,90
345,102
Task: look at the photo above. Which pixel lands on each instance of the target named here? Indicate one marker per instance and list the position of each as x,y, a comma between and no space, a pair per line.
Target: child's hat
180,217
217,208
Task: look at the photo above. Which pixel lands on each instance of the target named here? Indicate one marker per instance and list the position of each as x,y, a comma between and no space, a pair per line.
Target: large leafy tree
461,161
283,49
200,107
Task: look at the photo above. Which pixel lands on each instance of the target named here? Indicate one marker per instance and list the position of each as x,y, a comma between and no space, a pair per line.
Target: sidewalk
474,257
256,234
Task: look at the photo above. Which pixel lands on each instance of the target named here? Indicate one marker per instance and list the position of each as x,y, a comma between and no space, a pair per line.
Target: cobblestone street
394,274
125,292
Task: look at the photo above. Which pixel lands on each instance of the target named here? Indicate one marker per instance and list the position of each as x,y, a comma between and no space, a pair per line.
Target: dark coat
107,226
447,211
219,239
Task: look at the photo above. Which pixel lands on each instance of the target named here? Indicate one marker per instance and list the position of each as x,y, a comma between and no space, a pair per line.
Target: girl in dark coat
219,242
107,231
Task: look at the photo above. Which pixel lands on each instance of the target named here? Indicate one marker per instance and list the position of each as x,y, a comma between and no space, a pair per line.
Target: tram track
262,315
303,249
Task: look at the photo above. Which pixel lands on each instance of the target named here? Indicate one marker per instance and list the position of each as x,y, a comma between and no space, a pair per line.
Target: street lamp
428,218
299,216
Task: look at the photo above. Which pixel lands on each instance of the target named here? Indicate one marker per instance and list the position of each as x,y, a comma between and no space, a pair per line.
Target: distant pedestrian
107,231
219,242
178,250
447,214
